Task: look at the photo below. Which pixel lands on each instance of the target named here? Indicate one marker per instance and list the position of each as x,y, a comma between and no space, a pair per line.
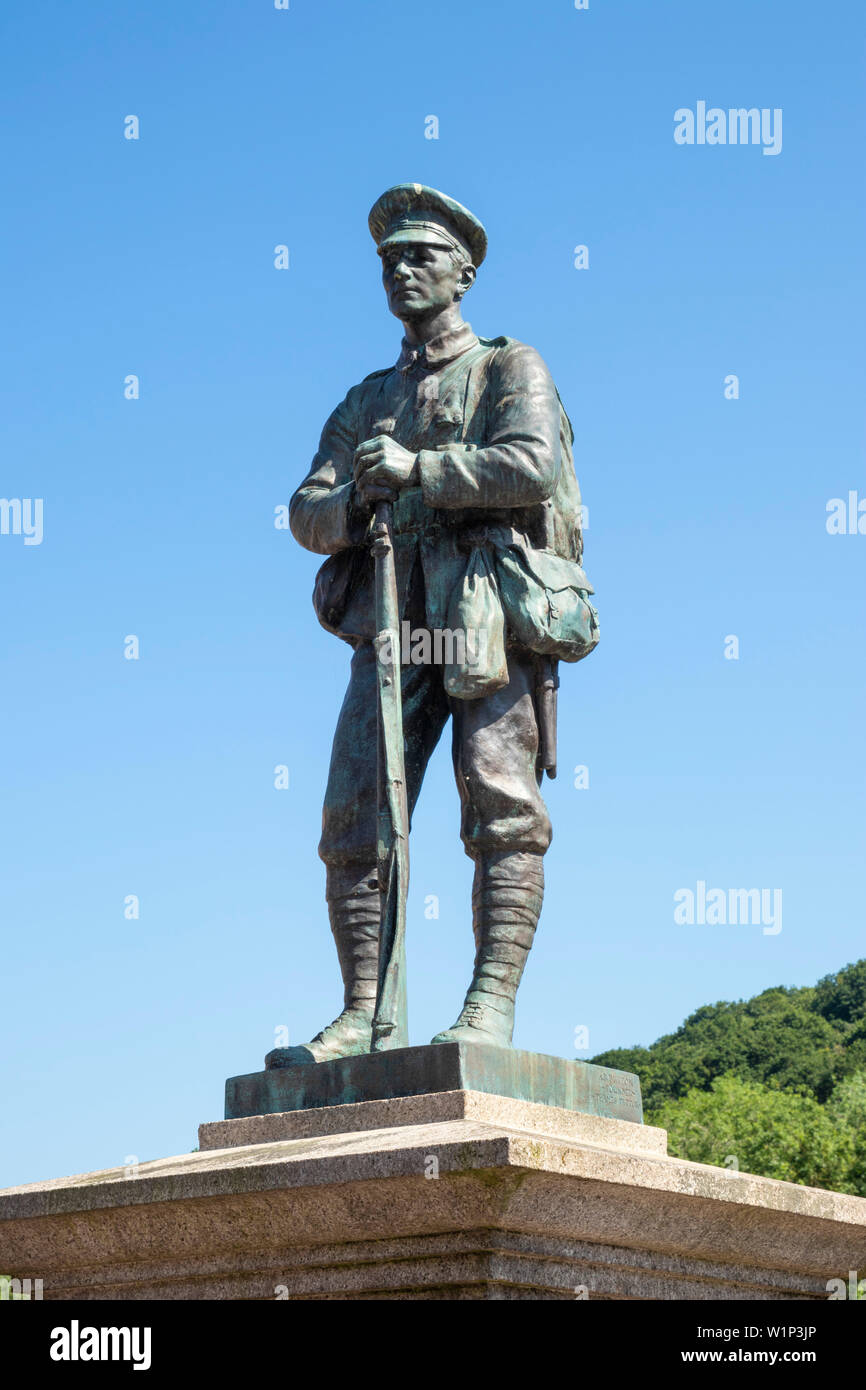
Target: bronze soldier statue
468,439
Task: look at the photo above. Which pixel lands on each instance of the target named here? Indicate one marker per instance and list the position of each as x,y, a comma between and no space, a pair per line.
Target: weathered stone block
453,1196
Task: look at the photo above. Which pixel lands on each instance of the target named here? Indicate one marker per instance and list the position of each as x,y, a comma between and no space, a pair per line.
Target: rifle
390,1021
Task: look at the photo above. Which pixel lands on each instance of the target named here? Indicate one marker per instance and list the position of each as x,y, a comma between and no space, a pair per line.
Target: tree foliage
746,1126
775,1084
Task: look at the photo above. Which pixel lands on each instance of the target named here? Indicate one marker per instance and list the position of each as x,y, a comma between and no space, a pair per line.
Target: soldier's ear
467,279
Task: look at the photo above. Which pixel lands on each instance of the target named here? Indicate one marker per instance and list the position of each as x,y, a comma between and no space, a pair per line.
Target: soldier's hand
383,468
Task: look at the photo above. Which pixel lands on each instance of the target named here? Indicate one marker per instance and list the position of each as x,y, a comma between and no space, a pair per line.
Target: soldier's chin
410,306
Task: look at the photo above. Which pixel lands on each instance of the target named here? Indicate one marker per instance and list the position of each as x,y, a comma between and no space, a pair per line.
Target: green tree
777,1038
793,1039
764,1130
842,997
847,1106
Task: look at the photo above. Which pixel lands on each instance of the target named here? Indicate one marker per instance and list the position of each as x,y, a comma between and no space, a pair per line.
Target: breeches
494,746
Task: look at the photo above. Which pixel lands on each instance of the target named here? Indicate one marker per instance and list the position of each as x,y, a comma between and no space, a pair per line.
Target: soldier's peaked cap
414,212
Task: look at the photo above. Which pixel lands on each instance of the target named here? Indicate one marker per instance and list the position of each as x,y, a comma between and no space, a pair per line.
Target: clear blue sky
707,516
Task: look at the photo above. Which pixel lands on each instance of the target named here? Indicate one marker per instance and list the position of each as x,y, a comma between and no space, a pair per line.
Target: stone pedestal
455,1195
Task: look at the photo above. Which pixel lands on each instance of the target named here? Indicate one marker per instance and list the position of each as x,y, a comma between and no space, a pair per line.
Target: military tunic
485,421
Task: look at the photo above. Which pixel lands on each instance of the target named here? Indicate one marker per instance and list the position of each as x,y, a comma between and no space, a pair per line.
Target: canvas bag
546,602
475,616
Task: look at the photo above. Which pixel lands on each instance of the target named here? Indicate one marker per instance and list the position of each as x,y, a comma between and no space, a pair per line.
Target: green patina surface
412,1071
444,497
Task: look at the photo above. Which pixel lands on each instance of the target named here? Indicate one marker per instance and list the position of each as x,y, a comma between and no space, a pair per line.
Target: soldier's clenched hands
383,468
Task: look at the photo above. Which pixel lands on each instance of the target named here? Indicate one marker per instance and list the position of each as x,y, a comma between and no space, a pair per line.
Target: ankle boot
506,901
353,906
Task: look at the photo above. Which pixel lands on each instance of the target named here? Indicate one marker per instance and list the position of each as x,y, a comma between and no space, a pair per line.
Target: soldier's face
420,280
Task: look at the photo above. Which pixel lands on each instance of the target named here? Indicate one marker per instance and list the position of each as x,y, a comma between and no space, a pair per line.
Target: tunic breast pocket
446,426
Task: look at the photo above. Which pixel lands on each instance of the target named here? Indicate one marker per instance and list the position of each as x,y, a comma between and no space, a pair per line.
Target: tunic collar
440,350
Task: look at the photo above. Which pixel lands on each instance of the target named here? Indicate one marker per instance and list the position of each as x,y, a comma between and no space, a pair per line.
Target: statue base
451,1196
418,1071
